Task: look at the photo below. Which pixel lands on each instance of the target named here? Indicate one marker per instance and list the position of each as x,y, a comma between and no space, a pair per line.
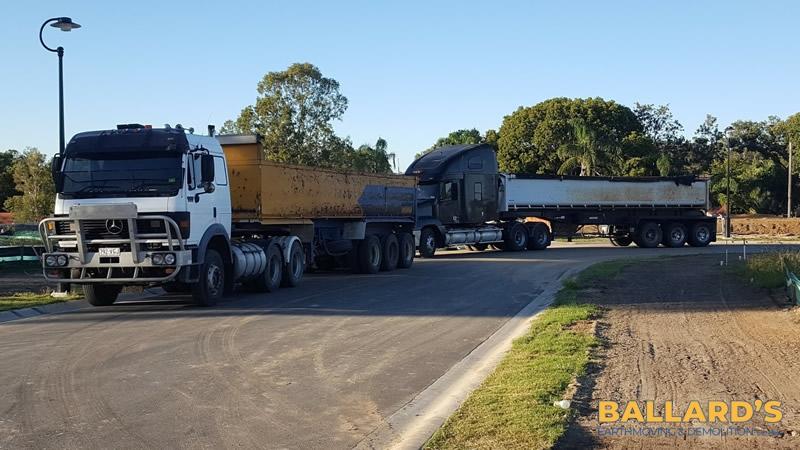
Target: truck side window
478,191
220,173
449,191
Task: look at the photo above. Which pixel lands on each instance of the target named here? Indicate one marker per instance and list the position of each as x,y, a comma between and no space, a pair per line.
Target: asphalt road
320,365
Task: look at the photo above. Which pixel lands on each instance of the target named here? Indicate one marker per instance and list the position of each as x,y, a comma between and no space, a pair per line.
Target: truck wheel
101,294
407,250
369,254
675,235
211,280
539,237
621,241
700,234
648,235
391,252
270,280
516,238
295,267
427,243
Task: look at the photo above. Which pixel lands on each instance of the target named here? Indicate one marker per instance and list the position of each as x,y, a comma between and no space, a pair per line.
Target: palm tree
585,150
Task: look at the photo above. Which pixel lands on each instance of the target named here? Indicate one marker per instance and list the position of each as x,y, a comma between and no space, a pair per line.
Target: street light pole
728,132
64,24
789,189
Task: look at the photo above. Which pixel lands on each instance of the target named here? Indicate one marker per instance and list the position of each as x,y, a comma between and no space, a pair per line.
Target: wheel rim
297,265
429,242
541,238
374,255
701,234
214,280
519,238
650,235
273,269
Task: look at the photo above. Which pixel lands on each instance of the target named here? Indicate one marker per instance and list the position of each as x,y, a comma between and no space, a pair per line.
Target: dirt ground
763,226
684,329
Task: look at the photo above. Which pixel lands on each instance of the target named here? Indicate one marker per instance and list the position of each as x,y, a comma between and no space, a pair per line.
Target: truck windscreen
142,174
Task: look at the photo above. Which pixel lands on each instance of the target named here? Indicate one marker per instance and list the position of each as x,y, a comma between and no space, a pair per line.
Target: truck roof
433,164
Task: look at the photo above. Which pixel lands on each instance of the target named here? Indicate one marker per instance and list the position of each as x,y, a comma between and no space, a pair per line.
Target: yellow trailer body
271,193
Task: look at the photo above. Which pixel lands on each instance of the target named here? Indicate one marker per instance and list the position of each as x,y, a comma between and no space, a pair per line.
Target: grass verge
513,407
766,269
28,299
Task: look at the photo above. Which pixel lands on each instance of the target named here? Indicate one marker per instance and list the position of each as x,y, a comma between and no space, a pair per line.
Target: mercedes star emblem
114,226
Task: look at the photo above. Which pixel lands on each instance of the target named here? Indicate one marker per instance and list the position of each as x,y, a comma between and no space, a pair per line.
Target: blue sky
412,71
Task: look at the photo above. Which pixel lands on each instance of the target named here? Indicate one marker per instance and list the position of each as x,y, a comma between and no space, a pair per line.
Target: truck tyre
270,280
648,235
391,252
369,254
210,284
675,235
621,241
539,237
407,250
295,266
427,243
700,234
101,294
516,238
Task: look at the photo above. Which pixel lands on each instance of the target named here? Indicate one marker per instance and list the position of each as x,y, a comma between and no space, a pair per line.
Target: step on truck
464,200
202,214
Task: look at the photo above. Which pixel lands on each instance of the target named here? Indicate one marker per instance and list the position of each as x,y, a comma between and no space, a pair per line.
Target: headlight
50,261
169,259
61,260
158,258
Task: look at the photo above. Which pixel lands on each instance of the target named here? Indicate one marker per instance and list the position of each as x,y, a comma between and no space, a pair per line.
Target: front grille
99,229
63,227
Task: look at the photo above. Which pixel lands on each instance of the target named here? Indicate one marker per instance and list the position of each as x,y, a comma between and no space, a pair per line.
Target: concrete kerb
413,424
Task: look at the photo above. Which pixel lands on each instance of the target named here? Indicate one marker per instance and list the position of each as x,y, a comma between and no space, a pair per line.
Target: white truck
143,206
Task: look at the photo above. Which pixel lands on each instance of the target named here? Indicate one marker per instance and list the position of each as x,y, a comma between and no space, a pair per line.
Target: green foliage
294,114
587,151
766,269
531,136
513,407
31,174
7,185
372,159
465,136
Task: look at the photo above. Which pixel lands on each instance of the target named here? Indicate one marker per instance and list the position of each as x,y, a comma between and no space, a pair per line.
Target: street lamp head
65,24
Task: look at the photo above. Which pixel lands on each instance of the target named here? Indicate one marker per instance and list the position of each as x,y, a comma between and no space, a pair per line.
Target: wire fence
17,253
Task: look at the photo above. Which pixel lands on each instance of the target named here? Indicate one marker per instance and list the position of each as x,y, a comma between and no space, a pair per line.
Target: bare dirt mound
682,330
763,226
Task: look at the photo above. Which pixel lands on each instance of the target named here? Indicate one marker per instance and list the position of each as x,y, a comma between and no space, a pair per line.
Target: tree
585,151
31,175
7,186
531,136
293,113
458,137
372,159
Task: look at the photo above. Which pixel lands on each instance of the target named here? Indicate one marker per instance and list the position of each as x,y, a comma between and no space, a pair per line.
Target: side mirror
206,169
208,187
55,170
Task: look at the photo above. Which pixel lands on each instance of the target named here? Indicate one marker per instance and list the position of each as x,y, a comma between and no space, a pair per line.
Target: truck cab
136,206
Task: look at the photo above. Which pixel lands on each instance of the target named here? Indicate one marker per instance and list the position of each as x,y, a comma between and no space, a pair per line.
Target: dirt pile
749,225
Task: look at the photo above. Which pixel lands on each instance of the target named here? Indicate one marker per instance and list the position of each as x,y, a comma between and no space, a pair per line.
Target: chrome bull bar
87,264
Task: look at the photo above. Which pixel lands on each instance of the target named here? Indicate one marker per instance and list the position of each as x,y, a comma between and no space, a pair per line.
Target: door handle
215,212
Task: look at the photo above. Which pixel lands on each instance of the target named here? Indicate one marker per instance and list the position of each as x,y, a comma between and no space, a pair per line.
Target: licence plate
109,251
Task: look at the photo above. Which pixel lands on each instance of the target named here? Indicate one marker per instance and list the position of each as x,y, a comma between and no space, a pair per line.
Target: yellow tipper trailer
364,221
271,192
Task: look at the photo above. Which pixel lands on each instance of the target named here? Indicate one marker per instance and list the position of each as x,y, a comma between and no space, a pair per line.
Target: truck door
199,204
450,202
480,197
